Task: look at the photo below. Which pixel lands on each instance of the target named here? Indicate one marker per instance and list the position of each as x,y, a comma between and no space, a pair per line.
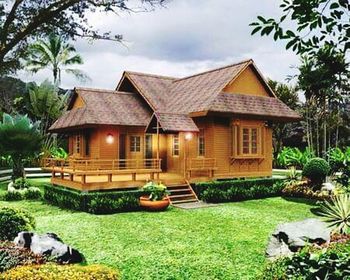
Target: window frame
77,144
135,143
175,147
249,140
201,145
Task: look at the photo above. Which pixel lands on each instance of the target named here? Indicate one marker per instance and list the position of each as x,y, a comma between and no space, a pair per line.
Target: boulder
49,245
290,237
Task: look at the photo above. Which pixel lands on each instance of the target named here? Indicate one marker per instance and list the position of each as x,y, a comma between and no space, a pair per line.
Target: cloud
186,37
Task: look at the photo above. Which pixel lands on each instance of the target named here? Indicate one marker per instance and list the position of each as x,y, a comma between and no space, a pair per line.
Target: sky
183,38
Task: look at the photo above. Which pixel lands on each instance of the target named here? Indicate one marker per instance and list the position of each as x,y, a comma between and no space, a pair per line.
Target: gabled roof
195,93
250,105
171,122
155,89
105,107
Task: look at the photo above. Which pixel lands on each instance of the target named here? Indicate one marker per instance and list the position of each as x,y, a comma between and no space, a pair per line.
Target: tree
45,103
19,139
56,55
24,20
289,96
314,25
324,78
10,88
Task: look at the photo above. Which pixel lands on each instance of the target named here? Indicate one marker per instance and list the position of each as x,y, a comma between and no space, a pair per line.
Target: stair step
177,186
180,195
180,190
184,201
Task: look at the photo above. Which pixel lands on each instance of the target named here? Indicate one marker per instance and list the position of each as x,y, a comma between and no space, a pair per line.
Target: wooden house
212,125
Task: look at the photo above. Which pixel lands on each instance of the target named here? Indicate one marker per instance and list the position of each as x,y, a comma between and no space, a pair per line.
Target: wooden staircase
181,193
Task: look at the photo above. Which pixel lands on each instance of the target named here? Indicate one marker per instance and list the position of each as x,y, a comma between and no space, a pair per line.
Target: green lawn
223,242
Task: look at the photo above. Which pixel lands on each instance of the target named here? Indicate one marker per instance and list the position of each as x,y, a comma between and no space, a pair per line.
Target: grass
223,242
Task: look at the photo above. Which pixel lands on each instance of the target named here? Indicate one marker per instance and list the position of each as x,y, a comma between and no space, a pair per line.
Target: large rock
290,237
49,245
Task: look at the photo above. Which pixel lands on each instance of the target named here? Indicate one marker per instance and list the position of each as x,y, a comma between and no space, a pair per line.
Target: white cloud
186,37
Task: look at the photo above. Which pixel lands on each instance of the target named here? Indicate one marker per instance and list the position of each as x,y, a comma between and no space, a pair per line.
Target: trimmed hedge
97,202
237,190
61,272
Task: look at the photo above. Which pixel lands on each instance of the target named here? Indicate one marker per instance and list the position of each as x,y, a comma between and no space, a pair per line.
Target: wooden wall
247,83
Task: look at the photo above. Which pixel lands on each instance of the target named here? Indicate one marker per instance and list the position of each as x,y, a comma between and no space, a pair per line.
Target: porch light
188,136
109,138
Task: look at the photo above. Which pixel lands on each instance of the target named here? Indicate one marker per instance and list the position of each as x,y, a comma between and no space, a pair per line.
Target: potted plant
157,197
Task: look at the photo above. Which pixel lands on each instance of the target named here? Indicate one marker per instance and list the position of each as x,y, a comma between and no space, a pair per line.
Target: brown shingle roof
154,88
105,107
195,93
260,106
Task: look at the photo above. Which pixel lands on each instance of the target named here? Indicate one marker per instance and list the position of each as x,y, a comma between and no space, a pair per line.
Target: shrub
32,193
22,183
12,256
156,191
306,265
93,202
289,157
13,195
316,170
302,190
13,221
336,213
236,190
61,272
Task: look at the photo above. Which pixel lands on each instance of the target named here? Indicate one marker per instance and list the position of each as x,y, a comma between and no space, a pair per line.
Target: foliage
61,272
323,264
19,138
13,221
55,54
58,153
282,131
12,256
336,213
10,88
93,202
156,191
303,190
5,161
294,157
314,25
236,190
316,171
22,183
198,244
32,193
25,20
337,158
13,195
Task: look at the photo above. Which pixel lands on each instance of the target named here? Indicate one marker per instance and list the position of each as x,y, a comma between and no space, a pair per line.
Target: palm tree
19,139
55,54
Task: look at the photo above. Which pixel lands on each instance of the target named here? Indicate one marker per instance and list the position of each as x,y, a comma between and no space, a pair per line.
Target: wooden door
122,148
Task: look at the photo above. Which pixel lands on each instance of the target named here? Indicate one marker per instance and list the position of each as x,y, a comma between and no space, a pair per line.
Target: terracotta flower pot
158,205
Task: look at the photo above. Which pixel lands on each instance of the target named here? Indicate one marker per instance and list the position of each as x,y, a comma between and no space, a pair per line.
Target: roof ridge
95,89
151,75
244,94
215,69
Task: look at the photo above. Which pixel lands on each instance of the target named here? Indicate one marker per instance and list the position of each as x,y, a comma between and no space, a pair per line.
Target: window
176,145
201,143
87,144
249,141
135,143
77,143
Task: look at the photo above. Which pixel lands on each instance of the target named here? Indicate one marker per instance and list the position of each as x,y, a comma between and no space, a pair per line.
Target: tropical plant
156,191
336,159
13,221
316,171
19,139
289,157
58,153
336,213
55,54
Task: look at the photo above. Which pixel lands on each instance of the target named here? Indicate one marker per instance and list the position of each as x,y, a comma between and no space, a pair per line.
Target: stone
49,245
290,237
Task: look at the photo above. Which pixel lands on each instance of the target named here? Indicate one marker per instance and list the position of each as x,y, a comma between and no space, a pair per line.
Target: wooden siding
78,102
247,83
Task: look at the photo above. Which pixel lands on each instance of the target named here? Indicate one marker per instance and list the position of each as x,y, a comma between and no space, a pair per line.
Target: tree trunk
324,128
17,168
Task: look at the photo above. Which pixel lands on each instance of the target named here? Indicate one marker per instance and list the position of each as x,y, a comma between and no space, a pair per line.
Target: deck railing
101,164
202,163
